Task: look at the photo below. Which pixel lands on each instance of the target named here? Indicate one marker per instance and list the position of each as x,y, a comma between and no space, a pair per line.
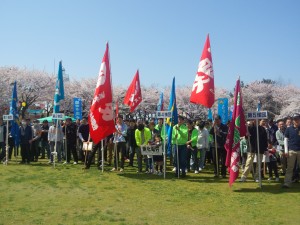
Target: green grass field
39,194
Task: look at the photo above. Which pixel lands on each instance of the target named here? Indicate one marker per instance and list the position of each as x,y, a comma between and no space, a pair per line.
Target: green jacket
182,137
138,136
194,137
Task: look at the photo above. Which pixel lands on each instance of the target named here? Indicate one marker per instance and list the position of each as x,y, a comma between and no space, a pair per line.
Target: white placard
163,114
8,117
257,115
151,150
58,116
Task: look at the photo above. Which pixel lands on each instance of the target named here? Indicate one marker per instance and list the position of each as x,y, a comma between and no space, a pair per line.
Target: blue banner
77,104
210,115
59,89
223,109
15,132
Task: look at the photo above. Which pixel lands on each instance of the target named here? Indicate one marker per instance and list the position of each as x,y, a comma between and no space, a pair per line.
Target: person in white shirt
54,133
202,143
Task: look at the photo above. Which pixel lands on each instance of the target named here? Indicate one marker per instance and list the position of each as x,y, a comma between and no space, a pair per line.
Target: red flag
203,88
101,116
134,95
236,130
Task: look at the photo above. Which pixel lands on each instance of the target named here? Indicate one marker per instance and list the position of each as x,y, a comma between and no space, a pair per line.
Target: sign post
164,115
258,115
7,118
57,117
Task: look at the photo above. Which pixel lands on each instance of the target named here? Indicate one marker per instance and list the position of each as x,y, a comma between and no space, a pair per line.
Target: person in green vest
180,138
142,137
191,146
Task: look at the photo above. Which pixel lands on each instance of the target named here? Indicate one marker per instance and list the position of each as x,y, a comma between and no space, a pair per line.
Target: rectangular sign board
163,114
257,115
151,150
8,117
58,116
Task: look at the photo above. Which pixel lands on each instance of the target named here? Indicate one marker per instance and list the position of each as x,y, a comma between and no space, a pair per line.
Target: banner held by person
59,89
134,95
236,130
160,104
223,109
15,133
101,116
171,121
203,91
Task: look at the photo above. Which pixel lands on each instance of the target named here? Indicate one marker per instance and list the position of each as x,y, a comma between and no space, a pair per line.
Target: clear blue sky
163,38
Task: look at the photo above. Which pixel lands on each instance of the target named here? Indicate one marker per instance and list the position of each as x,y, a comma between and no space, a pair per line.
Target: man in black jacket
219,131
71,135
263,147
2,139
131,140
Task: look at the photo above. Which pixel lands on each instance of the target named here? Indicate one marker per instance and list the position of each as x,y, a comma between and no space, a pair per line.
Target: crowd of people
194,143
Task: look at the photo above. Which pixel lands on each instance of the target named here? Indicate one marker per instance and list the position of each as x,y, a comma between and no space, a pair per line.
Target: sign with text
58,116
257,115
163,114
77,108
8,117
151,150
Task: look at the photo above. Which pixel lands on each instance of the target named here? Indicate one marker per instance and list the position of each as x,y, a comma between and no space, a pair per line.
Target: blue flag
14,132
160,104
174,120
59,89
223,109
210,115
77,102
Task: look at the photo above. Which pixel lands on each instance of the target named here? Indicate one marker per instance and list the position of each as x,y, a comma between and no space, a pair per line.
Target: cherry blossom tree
36,87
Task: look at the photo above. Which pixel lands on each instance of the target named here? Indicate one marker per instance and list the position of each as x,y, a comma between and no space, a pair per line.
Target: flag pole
178,169
102,155
216,150
164,135
258,155
7,146
66,145
55,144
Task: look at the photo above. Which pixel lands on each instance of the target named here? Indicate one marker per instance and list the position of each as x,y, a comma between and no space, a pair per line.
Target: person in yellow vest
142,137
180,138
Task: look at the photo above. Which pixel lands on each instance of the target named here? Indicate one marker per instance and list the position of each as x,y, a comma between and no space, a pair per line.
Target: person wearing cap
292,148
180,138
44,140
219,131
